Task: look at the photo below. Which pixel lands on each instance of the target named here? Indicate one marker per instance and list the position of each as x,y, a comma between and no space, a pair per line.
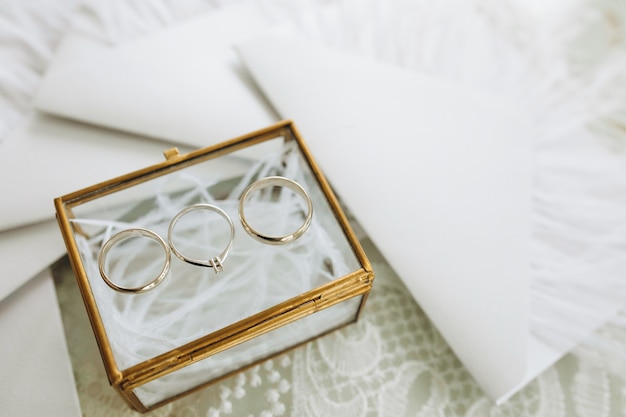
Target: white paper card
37,378
438,175
183,84
51,157
26,251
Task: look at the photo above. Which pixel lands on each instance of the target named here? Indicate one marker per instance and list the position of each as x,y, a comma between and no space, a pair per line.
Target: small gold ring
268,182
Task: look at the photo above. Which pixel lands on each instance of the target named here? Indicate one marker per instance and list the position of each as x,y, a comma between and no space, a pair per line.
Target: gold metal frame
357,283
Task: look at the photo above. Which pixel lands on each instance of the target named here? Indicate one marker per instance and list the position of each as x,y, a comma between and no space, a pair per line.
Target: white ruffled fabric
29,33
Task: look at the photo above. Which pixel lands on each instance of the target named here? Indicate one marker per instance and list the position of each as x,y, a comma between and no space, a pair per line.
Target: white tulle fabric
567,69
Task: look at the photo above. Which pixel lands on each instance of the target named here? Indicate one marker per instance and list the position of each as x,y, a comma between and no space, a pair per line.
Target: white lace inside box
180,294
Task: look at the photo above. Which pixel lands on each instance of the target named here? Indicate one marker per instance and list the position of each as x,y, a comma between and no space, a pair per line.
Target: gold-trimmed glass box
198,326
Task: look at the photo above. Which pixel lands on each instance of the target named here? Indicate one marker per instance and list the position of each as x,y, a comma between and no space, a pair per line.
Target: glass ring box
185,282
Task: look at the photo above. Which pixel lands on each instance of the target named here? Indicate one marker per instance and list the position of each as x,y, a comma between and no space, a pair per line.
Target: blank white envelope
183,84
37,376
439,177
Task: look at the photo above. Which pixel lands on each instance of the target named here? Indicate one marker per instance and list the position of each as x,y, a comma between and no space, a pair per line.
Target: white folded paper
37,378
26,251
51,157
184,84
439,176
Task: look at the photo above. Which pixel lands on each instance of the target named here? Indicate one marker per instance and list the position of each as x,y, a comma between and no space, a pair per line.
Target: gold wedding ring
130,234
269,182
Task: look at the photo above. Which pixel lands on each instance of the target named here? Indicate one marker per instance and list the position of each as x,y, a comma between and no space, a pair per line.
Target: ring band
216,262
129,234
268,182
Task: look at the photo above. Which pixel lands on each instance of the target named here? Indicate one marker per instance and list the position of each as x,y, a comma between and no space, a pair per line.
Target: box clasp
171,154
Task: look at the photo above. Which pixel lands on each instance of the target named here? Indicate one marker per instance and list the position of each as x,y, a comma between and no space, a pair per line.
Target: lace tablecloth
393,362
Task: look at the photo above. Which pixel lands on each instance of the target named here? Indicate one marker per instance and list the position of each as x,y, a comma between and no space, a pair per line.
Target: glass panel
249,352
